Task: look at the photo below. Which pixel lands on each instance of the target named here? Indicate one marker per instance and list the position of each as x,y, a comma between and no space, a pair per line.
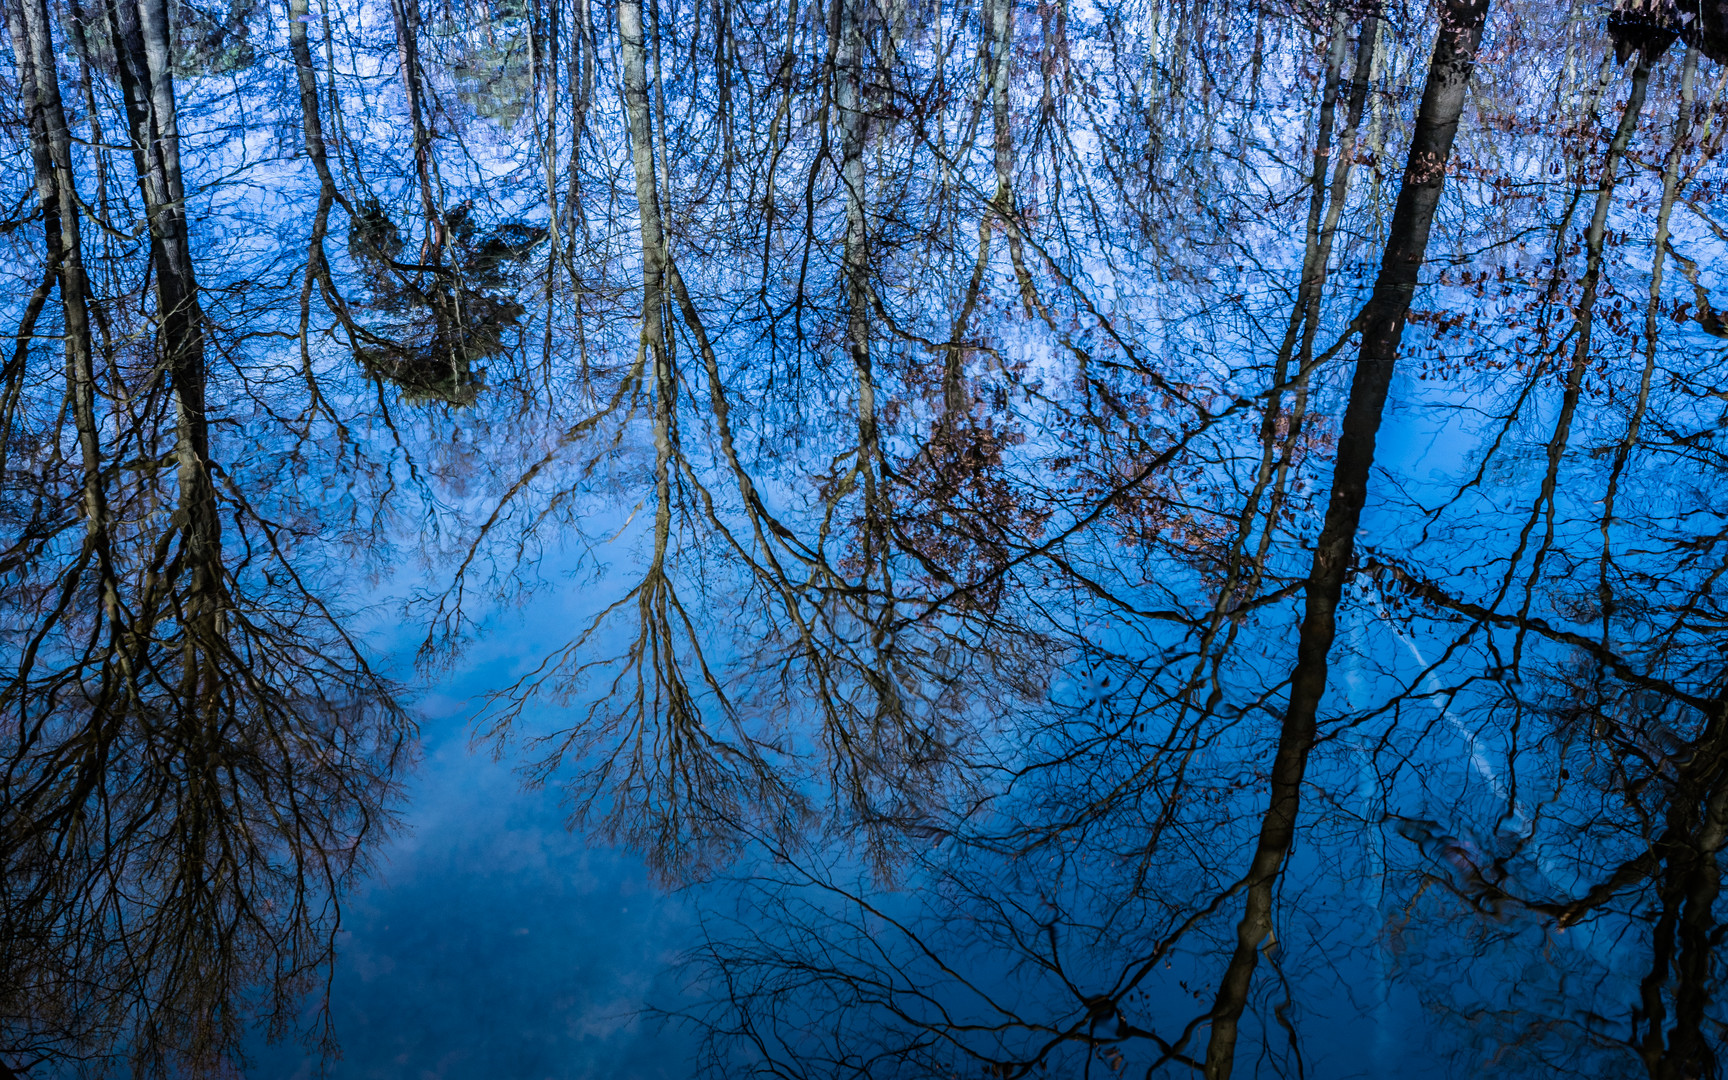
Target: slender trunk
51,156
145,61
854,131
849,103
1007,213
312,126
45,810
1315,278
312,122
779,134
1683,125
1595,238
639,116
546,74
1343,162
582,93
1461,23
723,54
1278,447
653,344
584,43
1308,286
660,117
997,17
98,142
406,16
855,27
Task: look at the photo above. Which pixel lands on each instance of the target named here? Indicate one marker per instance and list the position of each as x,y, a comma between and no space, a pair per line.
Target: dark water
557,539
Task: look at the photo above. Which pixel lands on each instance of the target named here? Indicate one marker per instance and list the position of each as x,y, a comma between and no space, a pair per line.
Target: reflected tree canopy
1155,537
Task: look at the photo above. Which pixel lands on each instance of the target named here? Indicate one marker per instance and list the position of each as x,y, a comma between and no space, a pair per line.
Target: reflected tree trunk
1684,950
1278,447
653,345
1382,327
57,195
145,61
856,30
1595,238
406,16
194,775
1684,120
39,811
850,18
996,18
312,128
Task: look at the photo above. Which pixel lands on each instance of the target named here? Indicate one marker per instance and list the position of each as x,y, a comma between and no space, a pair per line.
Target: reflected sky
923,538
495,940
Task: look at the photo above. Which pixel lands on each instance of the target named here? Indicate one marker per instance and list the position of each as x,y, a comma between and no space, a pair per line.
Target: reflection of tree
1117,795
886,695
197,751
1382,327
948,391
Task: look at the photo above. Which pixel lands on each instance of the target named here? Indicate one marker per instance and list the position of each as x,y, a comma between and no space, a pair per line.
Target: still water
867,538
493,939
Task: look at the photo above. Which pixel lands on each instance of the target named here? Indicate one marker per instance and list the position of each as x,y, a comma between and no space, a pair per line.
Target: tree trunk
1683,134
653,343
145,60
854,130
1595,239
406,16
1461,23
997,29
312,126
51,156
